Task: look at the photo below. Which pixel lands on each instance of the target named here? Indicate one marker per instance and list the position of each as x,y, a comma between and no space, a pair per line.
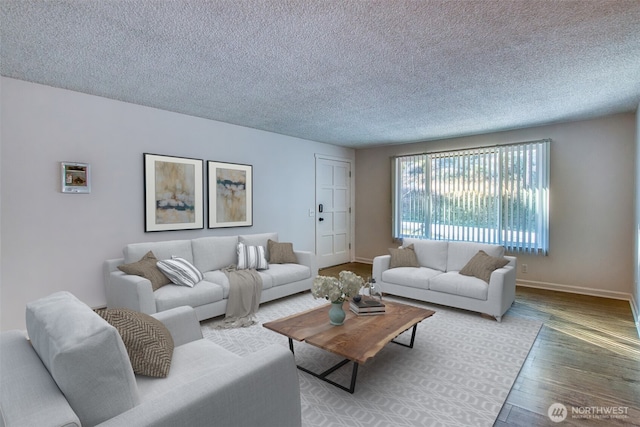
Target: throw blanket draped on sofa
245,289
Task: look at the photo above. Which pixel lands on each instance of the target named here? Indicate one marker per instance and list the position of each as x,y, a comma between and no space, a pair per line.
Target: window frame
529,161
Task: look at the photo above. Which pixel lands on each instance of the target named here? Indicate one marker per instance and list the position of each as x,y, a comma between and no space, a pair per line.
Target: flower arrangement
338,289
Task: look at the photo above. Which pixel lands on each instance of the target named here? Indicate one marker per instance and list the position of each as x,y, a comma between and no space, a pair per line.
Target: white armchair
76,372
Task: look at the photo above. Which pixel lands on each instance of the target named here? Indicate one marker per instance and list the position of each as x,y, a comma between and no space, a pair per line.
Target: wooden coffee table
357,340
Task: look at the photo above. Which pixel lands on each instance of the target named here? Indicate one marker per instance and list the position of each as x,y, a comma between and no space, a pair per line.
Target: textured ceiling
346,72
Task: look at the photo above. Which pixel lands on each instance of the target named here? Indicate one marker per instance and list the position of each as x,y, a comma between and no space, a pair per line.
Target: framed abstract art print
174,194
230,194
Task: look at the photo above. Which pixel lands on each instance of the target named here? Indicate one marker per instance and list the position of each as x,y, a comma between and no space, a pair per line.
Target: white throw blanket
245,289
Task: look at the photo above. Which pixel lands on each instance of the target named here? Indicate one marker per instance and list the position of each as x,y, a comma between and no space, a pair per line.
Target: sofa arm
182,322
28,395
309,259
380,264
127,291
502,288
261,389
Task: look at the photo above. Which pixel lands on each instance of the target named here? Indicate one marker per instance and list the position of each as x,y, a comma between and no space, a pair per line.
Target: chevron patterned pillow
148,342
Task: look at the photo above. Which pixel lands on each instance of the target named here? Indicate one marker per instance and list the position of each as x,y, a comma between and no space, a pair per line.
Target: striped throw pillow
251,257
180,271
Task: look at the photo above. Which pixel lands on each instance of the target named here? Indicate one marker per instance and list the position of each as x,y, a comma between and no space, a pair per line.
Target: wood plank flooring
586,357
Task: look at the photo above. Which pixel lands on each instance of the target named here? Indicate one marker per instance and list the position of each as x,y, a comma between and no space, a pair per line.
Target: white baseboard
364,260
575,289
636,315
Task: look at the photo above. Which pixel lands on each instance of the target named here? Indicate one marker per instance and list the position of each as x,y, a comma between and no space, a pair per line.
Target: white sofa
209,255
75,371
437,279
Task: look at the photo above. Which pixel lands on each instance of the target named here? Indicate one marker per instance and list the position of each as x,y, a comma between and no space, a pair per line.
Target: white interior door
333,212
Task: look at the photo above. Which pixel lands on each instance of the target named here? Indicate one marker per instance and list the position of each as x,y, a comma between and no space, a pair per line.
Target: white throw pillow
251,257
180,271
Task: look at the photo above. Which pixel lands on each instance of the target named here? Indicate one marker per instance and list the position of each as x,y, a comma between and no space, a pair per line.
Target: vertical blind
496,194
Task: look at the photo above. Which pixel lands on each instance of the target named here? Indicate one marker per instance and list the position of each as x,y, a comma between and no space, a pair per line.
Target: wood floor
586,357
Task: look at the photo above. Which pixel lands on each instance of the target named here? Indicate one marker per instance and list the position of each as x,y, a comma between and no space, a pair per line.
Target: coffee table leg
354,374
323,375
413,338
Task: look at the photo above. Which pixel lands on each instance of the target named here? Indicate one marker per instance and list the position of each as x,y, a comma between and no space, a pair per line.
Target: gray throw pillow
148,342
482,265
403,257
147,268
281,253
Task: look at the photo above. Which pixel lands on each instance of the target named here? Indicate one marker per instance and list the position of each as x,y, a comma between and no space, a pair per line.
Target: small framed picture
75,177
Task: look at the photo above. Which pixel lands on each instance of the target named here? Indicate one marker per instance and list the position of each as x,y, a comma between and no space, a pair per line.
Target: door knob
320,219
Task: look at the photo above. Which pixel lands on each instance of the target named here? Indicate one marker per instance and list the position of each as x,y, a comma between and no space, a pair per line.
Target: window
496,194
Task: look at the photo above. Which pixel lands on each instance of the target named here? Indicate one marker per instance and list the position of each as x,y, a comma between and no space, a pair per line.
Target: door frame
352,201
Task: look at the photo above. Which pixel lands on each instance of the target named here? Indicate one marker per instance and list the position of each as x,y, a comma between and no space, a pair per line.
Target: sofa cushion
456,284
81,351
149,343
180,271
261,239
282,274
403,257
482,265
410,276
281,253
147,267
430,253
172,296
219,278
214,253
190,362
460,253
162,250
252,257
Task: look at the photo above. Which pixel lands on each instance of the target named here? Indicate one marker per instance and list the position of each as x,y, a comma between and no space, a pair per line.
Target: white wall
591,197
53,241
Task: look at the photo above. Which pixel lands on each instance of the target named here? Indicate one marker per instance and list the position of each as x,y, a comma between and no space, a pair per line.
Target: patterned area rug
459,372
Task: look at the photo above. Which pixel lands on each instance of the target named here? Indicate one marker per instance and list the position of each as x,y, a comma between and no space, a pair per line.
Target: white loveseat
209,255
74,370
437,279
